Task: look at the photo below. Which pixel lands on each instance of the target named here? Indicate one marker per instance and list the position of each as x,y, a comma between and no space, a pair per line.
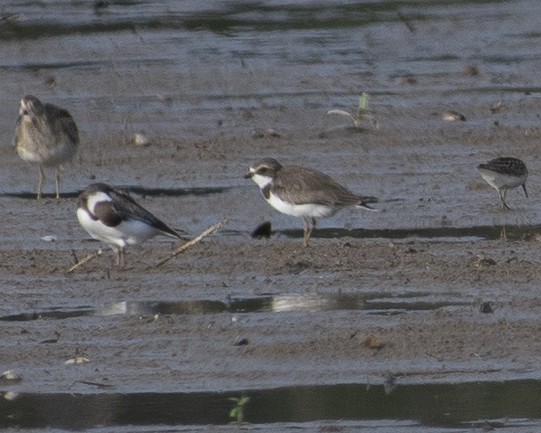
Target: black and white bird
303,192
503,174
113,217
45,134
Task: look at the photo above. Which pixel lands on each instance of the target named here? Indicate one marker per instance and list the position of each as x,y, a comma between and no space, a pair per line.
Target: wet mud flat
412,331
423,316
426,322
302,338
429,321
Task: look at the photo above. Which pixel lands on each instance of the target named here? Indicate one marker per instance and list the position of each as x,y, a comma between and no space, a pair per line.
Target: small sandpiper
303,192
45,134
113,217
503,174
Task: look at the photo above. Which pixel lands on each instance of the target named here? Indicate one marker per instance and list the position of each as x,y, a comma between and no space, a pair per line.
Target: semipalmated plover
45,134
303,192
503,174
113,217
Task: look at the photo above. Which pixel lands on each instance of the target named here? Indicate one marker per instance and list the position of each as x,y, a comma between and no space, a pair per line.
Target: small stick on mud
98,384
192,242
85,260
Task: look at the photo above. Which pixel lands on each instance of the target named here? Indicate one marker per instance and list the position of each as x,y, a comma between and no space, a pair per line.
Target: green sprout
237,413
363,113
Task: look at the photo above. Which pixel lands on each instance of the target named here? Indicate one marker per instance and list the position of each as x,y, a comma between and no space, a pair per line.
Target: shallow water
224,56
372,303
409,407
208,69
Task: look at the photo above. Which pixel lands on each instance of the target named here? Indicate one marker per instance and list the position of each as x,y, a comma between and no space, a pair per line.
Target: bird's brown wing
63,122
305,185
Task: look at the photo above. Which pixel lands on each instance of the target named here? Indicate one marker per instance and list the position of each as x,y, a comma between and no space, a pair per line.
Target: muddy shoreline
148,329
438,287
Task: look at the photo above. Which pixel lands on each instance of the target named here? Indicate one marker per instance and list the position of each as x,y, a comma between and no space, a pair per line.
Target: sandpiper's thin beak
249,175
524,188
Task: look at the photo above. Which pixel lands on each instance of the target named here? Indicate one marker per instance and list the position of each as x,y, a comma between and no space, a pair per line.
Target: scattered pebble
496,107
486,307
241,341
141,139
77,360
247,115
470,71
483,261
49,238
9,376
408,79
167,100
373,342
264,133
452,116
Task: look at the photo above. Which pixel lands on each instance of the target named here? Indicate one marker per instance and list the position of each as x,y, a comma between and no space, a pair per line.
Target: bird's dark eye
25,113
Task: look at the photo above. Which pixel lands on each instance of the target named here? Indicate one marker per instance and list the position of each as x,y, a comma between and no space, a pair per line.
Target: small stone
453,116
141,139
241,341
9,376
77,360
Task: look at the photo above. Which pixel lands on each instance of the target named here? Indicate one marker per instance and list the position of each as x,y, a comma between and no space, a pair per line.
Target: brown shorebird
45,134
303,192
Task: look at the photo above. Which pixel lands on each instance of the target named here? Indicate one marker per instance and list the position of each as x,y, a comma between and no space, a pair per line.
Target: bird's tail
363,203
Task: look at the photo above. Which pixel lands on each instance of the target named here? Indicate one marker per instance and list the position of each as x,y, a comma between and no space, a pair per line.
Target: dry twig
192,242
85,260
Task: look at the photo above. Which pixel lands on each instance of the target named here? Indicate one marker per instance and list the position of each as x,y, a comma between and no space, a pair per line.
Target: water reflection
508,404
372,303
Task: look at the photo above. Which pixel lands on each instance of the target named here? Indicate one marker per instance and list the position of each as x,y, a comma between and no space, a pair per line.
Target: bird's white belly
129,232
499,180
46,153
301,210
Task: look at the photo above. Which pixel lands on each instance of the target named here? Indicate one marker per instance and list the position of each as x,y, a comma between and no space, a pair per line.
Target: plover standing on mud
303,192
113,217
503,174
45,134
